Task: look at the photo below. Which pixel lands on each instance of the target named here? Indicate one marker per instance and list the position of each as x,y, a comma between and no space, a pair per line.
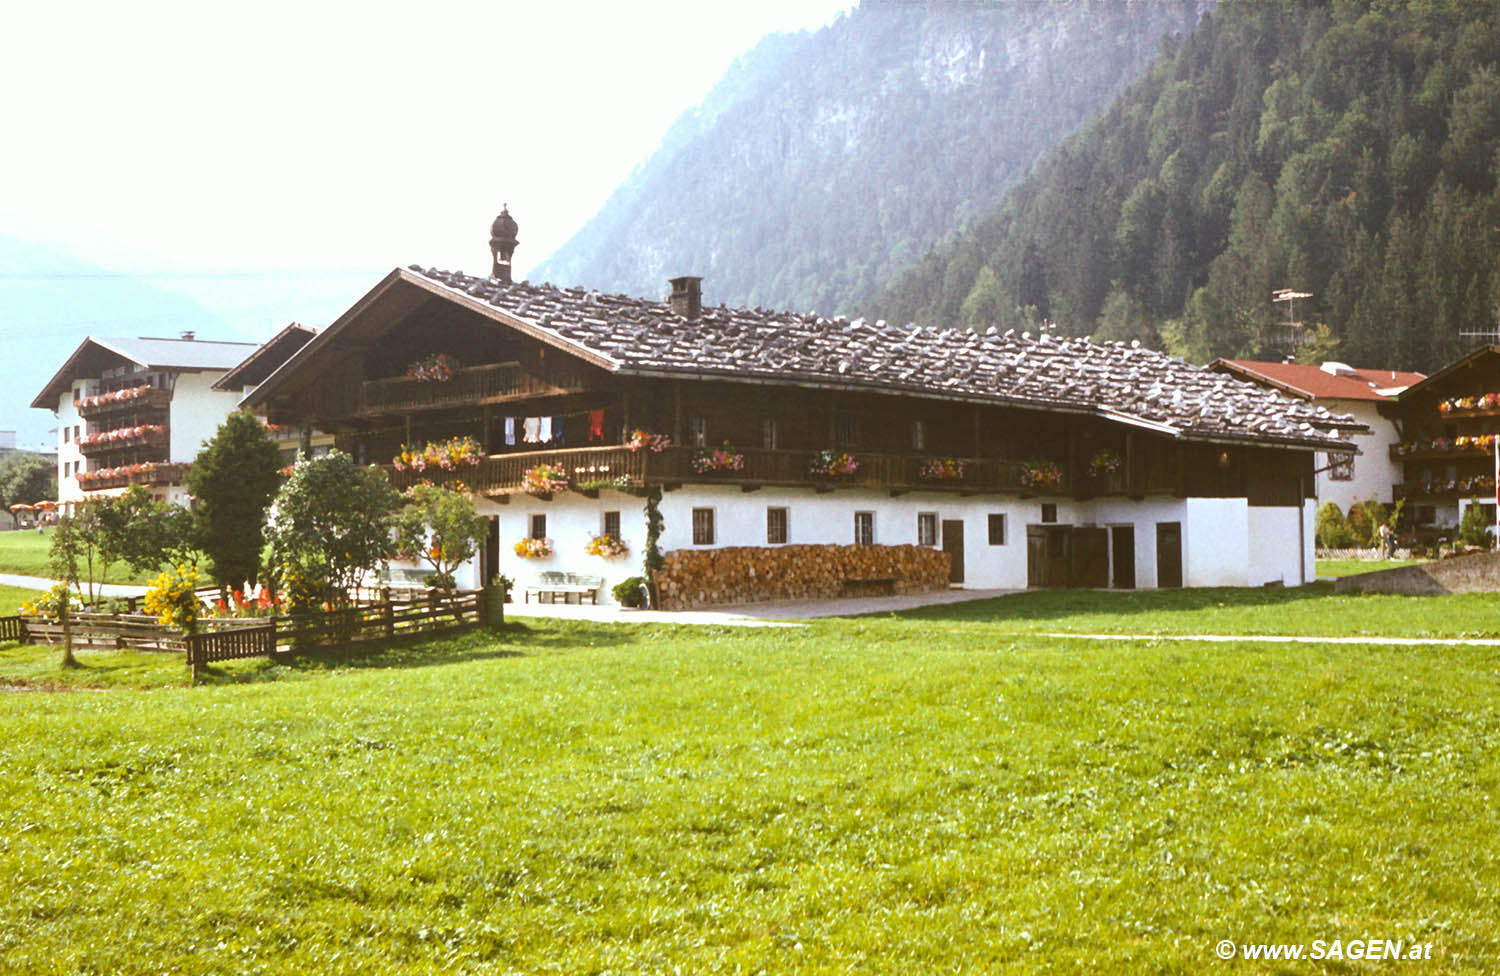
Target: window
846,429
703,526
697,431
1341,467
539,526
768,438
918,435
997,529
776,526
610,525
75,432
1049,512
864,528
927,528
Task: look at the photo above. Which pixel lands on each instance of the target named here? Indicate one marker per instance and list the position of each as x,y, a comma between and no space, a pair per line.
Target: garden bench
404,580
870,585
551,584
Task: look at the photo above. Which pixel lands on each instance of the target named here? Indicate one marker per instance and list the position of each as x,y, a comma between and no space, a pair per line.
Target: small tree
146,533
27,478
85,544
441,528
330,524
1333,532
233,480
1474,528
59,603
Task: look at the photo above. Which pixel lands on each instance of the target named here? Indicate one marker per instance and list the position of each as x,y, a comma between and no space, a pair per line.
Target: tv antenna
1293,334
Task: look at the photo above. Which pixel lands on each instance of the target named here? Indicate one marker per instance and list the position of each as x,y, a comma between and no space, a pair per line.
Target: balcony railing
595,467
150,473
122,438
123,401
467,387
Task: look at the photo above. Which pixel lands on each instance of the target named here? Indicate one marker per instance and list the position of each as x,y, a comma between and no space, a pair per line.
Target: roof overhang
63,378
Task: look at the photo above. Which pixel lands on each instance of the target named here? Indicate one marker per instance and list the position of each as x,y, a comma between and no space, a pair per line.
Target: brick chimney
687,296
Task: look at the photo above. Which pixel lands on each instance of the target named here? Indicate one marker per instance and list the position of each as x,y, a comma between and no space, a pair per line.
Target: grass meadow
932,792
28,553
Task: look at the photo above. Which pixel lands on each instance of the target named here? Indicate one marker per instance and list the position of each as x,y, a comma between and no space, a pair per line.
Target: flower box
718,459
942,469
544,479
534,548
829,464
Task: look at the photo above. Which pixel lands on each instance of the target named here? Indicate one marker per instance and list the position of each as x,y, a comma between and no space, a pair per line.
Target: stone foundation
756,574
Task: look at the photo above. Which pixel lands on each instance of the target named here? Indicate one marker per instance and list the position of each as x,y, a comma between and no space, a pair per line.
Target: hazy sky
203,136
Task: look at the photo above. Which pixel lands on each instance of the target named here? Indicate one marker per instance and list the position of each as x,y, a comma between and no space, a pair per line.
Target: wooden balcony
123,439
470,386
139,398
590,468
142,474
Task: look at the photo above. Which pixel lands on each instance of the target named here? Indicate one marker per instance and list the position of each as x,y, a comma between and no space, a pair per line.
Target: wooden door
1122,557
953,545
1168,554
1089,558
1059,559
1036,555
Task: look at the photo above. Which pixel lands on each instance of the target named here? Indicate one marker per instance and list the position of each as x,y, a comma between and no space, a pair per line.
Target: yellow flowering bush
172,599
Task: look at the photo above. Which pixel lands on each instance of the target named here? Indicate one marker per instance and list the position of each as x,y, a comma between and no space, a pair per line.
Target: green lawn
27,554
1312,609
1353,567
909,795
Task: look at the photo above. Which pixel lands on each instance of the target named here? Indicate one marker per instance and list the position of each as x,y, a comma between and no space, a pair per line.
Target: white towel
510,431
529,429
546,432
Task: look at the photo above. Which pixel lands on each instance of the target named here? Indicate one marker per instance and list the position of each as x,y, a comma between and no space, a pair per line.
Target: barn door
953,545
1168,554
1089,566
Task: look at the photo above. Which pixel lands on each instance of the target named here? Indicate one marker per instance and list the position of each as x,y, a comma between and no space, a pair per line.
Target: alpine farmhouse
1028,460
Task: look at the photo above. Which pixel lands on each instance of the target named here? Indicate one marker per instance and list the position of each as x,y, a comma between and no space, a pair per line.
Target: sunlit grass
895,796
1334,568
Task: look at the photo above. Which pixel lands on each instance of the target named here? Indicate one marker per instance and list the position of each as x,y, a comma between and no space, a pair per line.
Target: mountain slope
825,162
1344,149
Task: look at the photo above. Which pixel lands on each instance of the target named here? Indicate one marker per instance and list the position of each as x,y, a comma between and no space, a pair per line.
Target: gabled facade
1448,424
137,410
1031,460
1368,395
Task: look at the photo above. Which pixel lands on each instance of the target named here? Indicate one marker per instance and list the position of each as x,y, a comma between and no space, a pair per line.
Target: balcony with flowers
1471,445
145,473
100,442
123,401
1479,405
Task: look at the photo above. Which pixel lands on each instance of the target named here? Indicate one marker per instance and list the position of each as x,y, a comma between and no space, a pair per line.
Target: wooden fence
234,638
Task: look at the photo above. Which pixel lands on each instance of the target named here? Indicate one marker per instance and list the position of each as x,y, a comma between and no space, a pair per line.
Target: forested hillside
1345,149
825,162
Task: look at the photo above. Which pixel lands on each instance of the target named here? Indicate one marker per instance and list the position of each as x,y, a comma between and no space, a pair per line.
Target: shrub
630,592
1333,531
173,600
1364,521
1474,529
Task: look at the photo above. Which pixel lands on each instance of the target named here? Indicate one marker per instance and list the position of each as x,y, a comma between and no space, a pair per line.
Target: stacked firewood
750,574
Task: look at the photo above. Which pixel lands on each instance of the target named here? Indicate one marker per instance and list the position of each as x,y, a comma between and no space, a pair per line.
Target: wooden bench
567,584
870,586
404,580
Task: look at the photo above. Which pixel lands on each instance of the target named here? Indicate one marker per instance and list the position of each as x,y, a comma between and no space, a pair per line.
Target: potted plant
606,547
641,439
437,368
544,479
534,548
1041,476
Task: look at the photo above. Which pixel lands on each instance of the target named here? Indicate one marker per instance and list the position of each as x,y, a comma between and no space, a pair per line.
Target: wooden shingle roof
1126,383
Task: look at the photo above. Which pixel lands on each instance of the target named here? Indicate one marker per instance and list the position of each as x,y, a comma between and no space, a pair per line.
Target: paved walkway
1280,639
41,583
752,614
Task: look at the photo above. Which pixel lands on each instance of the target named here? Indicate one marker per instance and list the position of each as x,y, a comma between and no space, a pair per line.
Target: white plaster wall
1225,542
1375,474
1274,550
68,454
1215,542
196,413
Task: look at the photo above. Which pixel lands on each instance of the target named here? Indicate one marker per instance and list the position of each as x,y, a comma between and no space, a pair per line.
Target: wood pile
753,574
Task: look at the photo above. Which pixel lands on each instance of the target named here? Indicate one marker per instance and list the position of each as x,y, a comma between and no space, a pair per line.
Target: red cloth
596,425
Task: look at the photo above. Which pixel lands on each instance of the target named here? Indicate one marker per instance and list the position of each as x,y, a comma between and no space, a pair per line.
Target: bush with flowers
449,455
1041,475
832,465
53,603
544,479
641,439
241,604
534,548
173,600
437,368
723,458
942,469
607,547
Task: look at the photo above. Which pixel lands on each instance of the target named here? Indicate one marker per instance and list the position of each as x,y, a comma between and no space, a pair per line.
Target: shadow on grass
512,639
1040,605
